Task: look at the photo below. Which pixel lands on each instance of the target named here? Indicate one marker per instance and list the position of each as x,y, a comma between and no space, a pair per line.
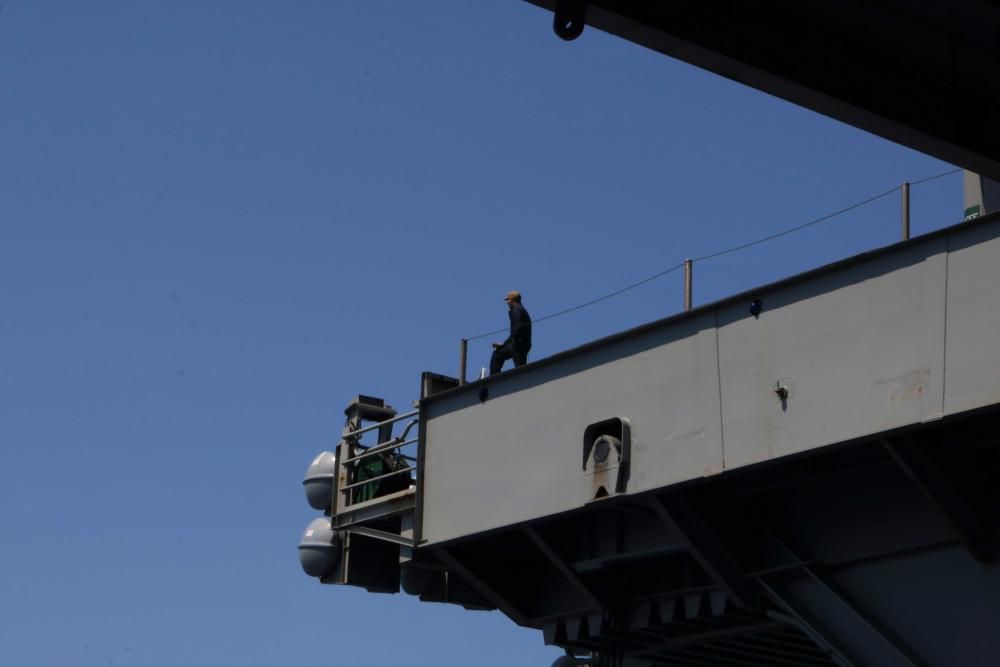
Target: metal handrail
375,479
350,440
372,427
408,427
688,264
388,444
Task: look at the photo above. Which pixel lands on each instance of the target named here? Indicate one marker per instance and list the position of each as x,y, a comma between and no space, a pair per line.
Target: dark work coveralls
518,342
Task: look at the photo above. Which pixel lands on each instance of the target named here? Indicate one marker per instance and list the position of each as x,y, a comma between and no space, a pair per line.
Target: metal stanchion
906,211
687,284
464,347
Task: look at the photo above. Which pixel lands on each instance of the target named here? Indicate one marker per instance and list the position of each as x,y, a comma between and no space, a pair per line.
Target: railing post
464,347
687,284
906,211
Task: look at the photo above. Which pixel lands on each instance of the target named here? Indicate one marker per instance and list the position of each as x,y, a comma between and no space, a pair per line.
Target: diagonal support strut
680,518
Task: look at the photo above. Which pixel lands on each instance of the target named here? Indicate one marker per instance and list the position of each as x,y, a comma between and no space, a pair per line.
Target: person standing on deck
518,343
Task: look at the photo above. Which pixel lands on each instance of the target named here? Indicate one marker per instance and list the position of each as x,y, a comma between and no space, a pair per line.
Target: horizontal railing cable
727,251
936,176
591,302
798,228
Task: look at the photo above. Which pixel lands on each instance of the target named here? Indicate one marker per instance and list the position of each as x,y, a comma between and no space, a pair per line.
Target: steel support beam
680,518
708,636
376,534
942,494
809,626
846,624
399,502
468,576
567,573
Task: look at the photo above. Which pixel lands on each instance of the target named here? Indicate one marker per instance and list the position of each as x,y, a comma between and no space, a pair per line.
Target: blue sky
220,221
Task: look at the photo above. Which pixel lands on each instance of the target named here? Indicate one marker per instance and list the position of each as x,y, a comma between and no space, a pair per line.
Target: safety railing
688,264
365,470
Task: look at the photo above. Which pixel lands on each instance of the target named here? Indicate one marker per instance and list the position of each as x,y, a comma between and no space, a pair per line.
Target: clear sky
219,221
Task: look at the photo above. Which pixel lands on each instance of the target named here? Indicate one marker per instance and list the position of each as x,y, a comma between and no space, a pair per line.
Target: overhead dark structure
923,74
